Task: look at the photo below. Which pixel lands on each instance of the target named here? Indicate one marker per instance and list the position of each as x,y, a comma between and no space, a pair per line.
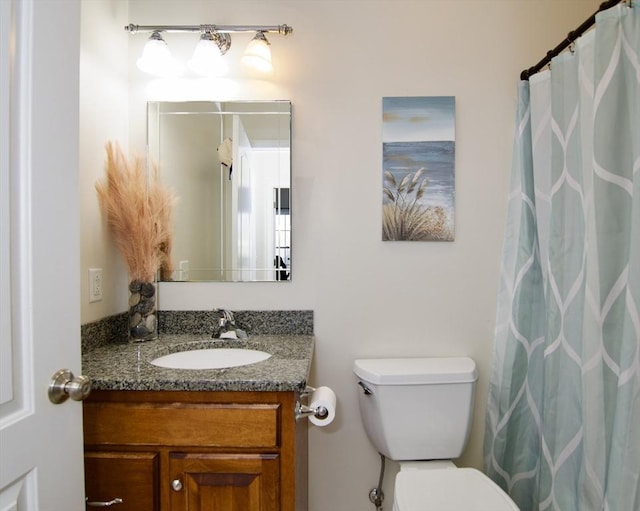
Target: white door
41,467
245,239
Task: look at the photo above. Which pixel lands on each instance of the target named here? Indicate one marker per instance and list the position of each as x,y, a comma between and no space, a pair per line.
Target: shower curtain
563,414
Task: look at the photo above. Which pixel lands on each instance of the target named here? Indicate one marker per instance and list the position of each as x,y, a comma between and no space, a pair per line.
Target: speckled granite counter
126,366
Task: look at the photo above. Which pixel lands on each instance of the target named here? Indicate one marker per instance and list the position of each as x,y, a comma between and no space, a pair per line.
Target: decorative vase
143,320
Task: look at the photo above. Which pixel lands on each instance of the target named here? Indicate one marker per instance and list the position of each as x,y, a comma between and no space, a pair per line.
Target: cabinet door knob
106,503
176,485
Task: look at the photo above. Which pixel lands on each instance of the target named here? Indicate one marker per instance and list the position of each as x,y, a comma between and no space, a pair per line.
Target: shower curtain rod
571,37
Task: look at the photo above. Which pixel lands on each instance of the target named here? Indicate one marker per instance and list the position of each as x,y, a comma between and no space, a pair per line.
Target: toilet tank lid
402,371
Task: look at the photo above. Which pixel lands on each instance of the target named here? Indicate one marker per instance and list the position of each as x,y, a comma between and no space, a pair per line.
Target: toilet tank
417,408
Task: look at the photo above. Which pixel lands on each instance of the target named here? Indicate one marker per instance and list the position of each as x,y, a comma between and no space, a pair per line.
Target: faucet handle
227,316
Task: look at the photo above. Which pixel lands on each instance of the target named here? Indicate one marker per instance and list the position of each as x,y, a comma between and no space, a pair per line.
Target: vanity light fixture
215,41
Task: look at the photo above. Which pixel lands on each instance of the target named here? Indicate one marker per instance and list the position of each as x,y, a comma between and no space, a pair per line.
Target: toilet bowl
417,411
448,489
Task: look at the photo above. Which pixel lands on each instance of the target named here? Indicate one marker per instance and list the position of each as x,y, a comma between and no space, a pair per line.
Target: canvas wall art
418,174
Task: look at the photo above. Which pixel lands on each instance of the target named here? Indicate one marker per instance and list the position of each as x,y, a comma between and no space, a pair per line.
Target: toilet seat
449,489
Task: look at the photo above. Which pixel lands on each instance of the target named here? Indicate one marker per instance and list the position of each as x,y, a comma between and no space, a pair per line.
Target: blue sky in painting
418,119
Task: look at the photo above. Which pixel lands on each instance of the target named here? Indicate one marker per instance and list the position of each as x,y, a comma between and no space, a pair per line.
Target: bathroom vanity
162,439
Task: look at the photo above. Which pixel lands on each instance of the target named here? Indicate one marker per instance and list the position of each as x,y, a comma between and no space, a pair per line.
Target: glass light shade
157,60
258,54
207,59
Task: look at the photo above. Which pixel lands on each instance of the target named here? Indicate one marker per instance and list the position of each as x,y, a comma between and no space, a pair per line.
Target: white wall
104,95
370,298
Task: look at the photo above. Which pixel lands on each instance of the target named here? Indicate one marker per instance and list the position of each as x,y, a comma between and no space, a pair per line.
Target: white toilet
417,411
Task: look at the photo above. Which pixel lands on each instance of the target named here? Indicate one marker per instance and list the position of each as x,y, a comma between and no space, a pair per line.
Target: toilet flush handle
367,390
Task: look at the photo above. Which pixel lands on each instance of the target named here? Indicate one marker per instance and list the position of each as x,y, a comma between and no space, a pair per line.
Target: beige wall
371,299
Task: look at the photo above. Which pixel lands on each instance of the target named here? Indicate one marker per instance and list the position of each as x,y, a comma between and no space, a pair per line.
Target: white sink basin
213,358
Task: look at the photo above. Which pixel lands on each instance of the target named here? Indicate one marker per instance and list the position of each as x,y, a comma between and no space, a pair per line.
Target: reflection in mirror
229,164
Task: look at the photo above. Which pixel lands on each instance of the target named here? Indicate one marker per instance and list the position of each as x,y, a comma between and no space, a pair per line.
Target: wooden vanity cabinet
192,451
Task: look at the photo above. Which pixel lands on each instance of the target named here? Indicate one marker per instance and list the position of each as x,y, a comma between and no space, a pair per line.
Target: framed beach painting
418,170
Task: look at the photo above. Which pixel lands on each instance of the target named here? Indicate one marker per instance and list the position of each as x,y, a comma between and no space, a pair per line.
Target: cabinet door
224,482
131,477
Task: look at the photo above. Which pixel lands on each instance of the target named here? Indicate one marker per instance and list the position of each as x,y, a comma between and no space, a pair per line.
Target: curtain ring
550,55
571,37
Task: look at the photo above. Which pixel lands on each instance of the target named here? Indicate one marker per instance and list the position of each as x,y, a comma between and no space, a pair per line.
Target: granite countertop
126,366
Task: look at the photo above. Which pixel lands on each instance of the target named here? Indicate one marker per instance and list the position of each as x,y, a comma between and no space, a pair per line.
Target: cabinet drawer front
182,424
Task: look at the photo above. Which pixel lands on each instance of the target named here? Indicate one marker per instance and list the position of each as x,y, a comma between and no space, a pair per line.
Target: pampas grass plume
138,211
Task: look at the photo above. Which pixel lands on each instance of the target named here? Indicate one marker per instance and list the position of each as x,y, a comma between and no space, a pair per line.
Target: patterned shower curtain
563,415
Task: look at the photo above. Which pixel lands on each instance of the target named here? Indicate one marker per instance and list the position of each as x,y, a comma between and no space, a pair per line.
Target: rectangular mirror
229,164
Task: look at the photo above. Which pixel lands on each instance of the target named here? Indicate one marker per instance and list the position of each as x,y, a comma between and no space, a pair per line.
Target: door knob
176,485
64,385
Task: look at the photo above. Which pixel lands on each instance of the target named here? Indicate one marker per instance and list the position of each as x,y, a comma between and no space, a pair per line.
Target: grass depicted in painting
405,218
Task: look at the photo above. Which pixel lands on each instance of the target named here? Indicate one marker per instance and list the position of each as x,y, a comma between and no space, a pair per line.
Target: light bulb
258,54
207,58
156,58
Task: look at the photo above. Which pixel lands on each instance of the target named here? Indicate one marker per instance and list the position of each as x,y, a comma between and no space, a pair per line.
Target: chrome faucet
226,326
226,322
